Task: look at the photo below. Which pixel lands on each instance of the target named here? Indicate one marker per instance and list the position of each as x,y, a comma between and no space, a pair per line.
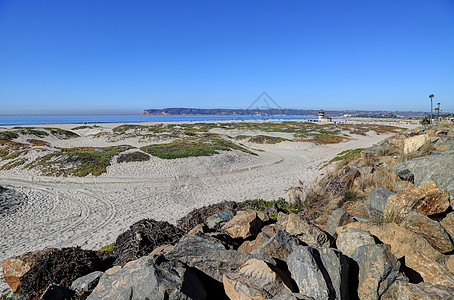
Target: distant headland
279,112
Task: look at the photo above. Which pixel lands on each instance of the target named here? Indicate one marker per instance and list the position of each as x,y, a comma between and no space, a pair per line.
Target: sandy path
93,211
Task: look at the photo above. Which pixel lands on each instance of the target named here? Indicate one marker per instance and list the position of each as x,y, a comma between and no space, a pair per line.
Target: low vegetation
133,156
79,161
192,147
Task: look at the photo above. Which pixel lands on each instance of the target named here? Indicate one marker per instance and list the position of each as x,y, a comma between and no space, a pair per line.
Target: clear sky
125,56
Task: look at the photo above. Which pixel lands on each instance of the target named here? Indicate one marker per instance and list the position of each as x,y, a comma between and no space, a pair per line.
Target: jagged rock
15,267
282,219
219,218
375,203
259,240
307,232
153,278
427,199
448,224
279,246
320,273
142,237
351,239
263,216
378,269
209,255
292,296
57,292
432,167
87,282
422,291
429,229
245,224
450,263
413,144
256,279
419,254
338,218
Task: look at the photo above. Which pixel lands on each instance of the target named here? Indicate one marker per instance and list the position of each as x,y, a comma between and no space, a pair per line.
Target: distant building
322,117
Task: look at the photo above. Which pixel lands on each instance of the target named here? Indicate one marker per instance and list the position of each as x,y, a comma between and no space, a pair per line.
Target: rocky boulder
378,268
256,279
352,238
412,144
219,218
153,278
429,229
245,224
320,273
209,255
88,282
448,224
338,218
15,267
279,246
402,290
376,201
427,199
307,232
292,296
437,168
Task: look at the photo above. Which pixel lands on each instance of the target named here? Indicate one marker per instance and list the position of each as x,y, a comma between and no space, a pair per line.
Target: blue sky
125,56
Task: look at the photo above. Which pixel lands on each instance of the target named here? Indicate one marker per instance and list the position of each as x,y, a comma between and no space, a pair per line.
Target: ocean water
87,119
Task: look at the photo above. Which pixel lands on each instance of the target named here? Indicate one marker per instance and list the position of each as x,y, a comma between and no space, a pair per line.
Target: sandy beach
92,211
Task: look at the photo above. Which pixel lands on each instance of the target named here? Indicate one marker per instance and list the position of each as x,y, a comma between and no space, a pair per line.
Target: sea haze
82,119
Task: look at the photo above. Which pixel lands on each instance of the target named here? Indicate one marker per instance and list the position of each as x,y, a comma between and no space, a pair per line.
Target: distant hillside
277,112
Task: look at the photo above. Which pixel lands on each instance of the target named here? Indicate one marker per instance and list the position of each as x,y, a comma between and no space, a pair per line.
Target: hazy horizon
113,56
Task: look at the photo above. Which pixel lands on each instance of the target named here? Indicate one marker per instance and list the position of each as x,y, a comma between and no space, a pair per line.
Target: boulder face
151,278
376,201
338,218
219,218
448,224
427,199
378,269
15,267
352,238
245,224
436,167
307,232
320,273
413,144
87,282
208,255
419,255
256,279
278,246
430,230
401,290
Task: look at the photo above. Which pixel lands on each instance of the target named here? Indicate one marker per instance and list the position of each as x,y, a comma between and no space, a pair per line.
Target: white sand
92,211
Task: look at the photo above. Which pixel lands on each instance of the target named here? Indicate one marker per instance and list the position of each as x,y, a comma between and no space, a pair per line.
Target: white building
322,117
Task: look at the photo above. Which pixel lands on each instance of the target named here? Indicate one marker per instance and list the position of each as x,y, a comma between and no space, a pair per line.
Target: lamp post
431,107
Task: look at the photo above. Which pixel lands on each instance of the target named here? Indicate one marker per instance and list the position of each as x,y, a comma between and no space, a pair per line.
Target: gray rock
430,230
402,290
406,175
338,218
152,278
279,246
439,168
378,269
210,256
56,292
375,203
352,238
87,282
293,296
320,273
307,232
216,220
